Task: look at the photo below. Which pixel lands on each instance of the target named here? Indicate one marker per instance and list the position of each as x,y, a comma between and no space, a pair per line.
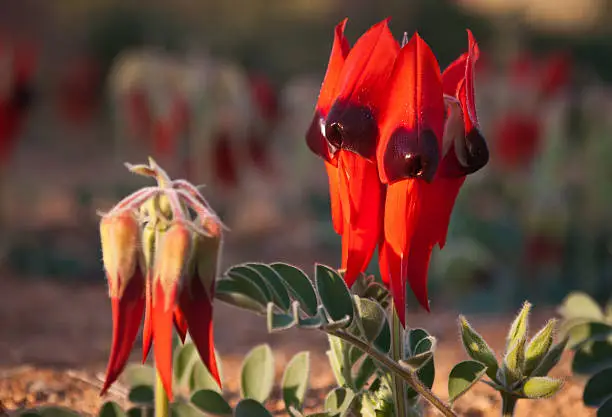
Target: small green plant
588,329
523,373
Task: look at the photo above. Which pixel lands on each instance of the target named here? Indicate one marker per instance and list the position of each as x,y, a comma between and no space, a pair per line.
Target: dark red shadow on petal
353,128
198,310
410,155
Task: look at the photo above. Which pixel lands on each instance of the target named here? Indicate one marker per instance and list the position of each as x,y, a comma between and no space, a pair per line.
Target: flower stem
397,353
407,375
508,405
162,406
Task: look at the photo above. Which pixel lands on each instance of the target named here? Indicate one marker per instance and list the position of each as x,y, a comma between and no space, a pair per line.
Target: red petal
339,52
415,105
147,328
163,313
334,195
367,67
180,323
454,75
314,136
402,211
468,102
127,315
198,310
361,195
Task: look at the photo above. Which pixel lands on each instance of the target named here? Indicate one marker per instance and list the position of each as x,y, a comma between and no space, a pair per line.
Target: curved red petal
127,315
163,313
362,211
198,310
147,327
454,75
334,195
367,67
402,212
180,323
415,105
469,101
314,136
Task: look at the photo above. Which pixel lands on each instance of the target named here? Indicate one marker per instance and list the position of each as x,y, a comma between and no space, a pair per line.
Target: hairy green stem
407,375
397,353
162,406
508,405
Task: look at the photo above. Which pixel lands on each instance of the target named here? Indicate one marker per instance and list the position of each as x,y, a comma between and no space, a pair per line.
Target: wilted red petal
352,122
147,328
361,195
413,121
180,323
163,313
314,136
127,315
198,310
402,211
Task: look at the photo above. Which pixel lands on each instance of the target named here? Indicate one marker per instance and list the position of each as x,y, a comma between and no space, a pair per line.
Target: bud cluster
160,249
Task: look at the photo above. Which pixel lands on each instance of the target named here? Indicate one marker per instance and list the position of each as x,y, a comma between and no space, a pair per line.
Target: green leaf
111,409
299,286
383,341
416,362
55,411
372,318
140,412
281,321
365,372
592,357
336,368
184,409
518,330
30,413
202,379
233,293
606,409
295,380
184,360
339,356
598,388
477,348
539,346
251,274
334,293
514,362
425,345
339,400
463,376
275,282
551,359
580,305
257,373
211,402
583,332
427,375
413,337
541,387
136,374
239,285
251,408
315,322
142,395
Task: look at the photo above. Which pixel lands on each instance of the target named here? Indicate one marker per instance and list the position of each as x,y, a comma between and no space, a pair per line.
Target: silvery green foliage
524,365
588,329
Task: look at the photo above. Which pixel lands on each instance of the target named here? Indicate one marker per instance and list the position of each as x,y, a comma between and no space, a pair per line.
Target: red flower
408,157
168,276
344,132
398,139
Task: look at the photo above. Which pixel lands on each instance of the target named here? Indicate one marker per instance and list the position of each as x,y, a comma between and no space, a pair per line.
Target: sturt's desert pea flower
161,261
398,139
345,132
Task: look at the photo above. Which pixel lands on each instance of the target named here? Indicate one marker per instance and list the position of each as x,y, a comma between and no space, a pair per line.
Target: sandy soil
54,341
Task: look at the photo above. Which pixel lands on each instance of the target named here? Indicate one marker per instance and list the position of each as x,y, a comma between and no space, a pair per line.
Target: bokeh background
221,93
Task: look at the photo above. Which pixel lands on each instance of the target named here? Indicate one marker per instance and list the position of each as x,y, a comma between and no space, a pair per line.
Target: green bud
477,348
518,330
514,363
551,359
541,387
539,346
